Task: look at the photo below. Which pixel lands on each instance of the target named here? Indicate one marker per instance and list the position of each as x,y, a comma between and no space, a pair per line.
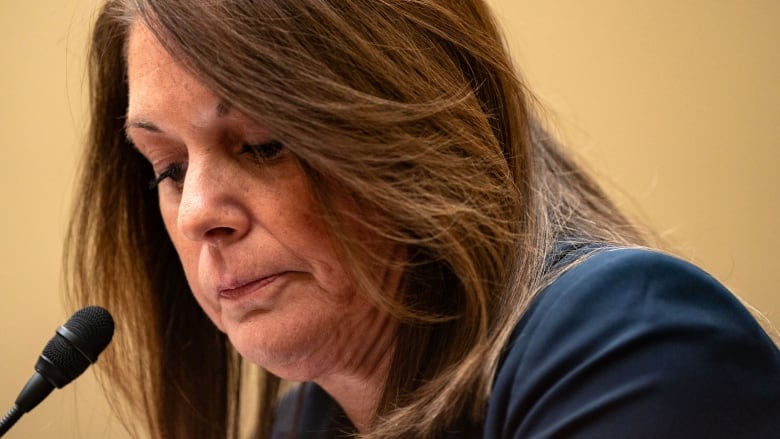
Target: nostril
220,233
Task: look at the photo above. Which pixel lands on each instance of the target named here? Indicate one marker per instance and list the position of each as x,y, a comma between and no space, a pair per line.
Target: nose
210,208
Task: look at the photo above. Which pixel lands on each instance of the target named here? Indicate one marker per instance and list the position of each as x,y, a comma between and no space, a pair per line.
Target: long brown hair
410,109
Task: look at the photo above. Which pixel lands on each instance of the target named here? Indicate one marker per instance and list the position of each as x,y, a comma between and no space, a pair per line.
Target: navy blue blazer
627,344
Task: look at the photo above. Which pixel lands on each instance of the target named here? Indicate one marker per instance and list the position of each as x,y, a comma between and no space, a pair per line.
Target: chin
288,355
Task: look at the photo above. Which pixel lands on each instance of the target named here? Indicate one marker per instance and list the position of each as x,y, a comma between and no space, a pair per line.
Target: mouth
241,289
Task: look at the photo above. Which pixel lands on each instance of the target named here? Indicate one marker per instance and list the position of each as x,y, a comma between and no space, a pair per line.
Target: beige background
673,103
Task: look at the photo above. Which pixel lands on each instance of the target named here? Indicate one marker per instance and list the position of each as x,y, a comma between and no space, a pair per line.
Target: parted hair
411,110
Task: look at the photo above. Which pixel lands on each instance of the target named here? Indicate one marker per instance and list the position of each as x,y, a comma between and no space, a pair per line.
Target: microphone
75,346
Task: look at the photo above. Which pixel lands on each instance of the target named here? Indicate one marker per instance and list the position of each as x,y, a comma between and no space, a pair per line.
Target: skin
254,250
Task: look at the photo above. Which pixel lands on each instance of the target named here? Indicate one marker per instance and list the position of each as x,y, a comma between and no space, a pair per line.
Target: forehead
158,85
146,56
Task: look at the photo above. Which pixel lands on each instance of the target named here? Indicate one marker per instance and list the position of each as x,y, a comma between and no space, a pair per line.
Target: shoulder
634,340
637,288
616,271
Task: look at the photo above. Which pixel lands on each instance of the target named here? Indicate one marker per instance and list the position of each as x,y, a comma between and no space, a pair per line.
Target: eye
264,152
175,172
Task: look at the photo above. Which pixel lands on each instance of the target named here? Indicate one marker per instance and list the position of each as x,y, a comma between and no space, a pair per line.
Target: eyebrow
142,124
223,109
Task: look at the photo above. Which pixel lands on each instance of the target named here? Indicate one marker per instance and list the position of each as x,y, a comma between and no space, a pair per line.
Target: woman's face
239,211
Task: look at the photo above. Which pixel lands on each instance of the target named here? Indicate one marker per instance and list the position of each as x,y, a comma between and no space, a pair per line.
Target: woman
357,196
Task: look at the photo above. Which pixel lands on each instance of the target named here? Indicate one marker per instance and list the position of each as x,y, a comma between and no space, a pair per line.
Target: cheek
296,223
184,249
326,269
189,255
169,211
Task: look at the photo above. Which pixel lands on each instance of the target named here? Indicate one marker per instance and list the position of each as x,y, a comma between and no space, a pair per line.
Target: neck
360,390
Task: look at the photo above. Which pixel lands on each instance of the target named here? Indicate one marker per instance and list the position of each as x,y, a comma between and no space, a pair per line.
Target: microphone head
91,329
76,345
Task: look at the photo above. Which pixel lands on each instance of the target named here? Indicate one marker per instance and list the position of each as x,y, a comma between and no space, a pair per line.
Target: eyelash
263,153
175,172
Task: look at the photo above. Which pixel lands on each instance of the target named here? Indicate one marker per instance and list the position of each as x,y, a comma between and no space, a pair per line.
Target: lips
238,290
